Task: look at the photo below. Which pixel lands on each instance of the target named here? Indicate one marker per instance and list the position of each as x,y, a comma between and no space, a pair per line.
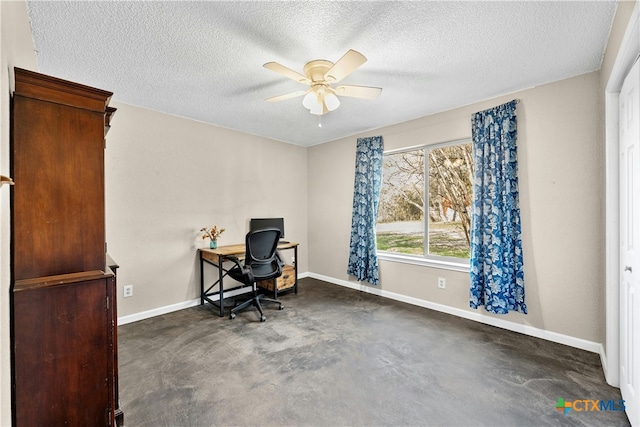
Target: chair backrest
261,247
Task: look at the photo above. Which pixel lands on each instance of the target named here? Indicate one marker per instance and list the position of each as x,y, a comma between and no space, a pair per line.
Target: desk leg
295,269
201,280
220,274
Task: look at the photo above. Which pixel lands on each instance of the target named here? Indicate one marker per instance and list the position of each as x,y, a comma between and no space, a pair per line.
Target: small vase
213,244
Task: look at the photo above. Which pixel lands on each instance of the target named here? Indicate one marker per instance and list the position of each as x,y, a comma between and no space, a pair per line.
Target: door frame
627,54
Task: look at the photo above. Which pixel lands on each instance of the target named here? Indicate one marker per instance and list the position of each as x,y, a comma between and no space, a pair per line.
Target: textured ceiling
203,60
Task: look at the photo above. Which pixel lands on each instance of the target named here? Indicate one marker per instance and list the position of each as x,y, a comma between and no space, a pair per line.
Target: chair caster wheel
263,318
281,307
232,316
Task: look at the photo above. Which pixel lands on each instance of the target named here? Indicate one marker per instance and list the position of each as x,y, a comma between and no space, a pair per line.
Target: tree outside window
443,198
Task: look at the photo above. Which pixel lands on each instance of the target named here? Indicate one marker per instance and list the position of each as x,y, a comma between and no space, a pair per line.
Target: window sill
462,266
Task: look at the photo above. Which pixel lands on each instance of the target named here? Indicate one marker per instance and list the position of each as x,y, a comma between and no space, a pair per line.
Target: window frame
427,260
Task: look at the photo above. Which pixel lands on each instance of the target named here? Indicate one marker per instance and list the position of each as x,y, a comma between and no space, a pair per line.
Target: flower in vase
211,233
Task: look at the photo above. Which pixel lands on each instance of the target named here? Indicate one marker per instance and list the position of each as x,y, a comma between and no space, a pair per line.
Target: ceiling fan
319,74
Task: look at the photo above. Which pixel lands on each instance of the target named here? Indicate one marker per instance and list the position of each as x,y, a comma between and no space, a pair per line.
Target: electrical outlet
442,283
128,291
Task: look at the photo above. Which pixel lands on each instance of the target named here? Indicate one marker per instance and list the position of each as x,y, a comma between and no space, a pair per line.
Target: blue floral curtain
363,261
497,277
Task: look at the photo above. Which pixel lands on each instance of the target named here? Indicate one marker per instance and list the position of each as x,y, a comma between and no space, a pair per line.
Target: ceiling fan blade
287,72
287,96
345,66
365,92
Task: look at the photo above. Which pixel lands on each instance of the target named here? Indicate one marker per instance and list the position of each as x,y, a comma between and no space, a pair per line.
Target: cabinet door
58,200
63,355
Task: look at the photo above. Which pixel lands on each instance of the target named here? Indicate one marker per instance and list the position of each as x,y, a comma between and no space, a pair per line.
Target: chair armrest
280,259
244,269
235,260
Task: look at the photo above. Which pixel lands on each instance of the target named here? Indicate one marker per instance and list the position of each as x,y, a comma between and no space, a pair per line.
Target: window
425,207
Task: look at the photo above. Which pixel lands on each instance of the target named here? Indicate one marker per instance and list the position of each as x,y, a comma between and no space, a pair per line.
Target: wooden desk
217,257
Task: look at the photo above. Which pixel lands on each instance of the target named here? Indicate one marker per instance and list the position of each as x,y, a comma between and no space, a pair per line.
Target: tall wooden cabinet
64,320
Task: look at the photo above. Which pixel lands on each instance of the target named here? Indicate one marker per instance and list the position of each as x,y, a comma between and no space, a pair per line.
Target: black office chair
261,263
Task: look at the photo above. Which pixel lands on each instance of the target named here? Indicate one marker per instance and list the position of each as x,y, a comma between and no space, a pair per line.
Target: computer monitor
258,223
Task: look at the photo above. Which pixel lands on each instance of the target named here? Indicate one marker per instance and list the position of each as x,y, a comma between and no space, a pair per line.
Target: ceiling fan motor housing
317,69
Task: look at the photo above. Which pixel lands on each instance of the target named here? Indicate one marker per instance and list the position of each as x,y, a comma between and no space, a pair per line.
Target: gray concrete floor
339,357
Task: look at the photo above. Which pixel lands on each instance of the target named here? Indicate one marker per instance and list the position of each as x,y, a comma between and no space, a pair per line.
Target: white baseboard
605,366
477,317
179,306
157,311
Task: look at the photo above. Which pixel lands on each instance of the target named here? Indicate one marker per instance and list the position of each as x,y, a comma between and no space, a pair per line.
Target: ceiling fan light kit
309,100
321,97
331,101
320,101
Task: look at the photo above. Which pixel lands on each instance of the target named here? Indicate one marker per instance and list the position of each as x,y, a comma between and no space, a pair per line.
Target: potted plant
212,233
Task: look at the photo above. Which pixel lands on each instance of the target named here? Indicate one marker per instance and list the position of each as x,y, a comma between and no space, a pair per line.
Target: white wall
561,195
167,177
